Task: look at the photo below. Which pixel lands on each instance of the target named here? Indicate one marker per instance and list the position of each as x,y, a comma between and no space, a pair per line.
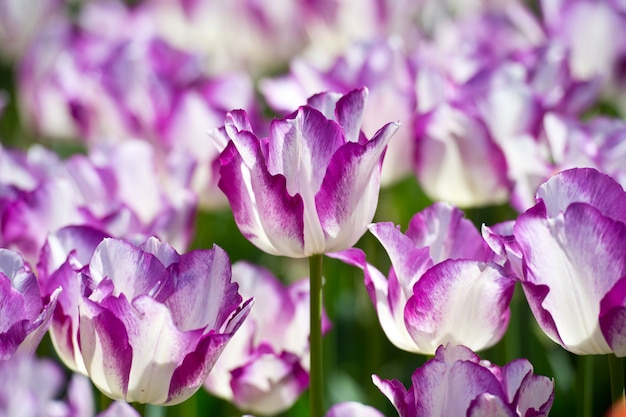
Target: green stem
316,380
586,382
616,374
154,411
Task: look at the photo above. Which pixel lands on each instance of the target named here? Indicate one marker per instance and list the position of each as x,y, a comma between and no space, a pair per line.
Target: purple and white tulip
383,67
443,286
35,389
312,186
266,366
457,383
146,323
573,247
457,159
25,315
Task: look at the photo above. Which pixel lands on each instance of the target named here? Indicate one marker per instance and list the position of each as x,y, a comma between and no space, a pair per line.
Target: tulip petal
106,349
269,383
132,271
348,197
447,234
584,185
437,382
532,394
409,261
264,211
349,112
613,317
433,318
588,257
201,303
488,405
395,392
301,149
195,367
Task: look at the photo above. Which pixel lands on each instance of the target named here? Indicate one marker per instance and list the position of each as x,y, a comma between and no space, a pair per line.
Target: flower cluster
141,139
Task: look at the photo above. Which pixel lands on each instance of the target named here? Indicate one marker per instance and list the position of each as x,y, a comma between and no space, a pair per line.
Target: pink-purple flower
265,367
312,185
443,286
145,323
456,382
573,248
25,315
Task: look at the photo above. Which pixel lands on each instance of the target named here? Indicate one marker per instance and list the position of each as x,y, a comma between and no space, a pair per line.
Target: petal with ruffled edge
195,367
204,296
263,209
397,395
133,271
447,234
349,112
435,383
460,302
348,198
409,262
578,256
80,241
583,185
529,394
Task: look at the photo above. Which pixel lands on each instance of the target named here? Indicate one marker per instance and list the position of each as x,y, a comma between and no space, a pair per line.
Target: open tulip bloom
573,246
312,186
442,287
457,383
149,323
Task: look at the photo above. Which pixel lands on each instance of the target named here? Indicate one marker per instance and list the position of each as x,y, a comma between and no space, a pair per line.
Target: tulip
312,186
150,323
265,368
35,388
25,315
573,247
443,286
457,383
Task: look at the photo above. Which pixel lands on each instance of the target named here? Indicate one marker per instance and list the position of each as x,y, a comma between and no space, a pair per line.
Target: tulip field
312,208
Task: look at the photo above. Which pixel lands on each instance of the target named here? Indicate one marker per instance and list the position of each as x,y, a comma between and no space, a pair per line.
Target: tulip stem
616,374
586,382
316,380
